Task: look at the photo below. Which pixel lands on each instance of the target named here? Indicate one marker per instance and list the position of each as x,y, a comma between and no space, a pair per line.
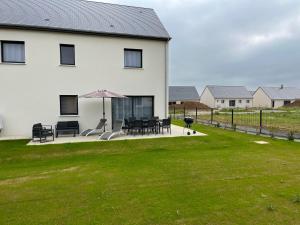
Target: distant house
274,97
226,97
180,94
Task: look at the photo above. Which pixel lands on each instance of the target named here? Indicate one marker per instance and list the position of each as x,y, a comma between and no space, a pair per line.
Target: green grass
224,178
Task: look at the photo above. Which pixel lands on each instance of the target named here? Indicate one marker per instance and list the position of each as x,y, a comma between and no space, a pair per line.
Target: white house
226,97
53,51
179,94
274,97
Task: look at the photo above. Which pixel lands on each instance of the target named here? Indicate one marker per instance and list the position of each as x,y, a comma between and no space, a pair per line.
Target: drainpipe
167,79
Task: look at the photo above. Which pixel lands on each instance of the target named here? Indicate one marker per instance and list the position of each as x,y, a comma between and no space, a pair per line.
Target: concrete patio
177,131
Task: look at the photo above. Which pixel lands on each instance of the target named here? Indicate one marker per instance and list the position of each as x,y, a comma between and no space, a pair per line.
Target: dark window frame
68,114
11,42
132,106
134,50
60,49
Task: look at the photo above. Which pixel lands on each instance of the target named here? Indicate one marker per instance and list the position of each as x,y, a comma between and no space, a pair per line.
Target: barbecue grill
188,121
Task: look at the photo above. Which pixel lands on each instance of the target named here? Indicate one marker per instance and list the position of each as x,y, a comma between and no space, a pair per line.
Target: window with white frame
222,101
240,101
13,51
68,104
133,58
248,101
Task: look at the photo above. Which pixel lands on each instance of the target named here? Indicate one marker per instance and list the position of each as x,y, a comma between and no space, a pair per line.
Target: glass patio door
133,106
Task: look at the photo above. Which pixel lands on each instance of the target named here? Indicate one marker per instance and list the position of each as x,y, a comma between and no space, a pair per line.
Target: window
248,101
240,101
13,51
67,54
222,101
286,102
232,103
133,106
68,105
133,58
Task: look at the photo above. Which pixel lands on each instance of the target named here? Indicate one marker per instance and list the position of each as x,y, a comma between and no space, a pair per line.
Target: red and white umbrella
102,94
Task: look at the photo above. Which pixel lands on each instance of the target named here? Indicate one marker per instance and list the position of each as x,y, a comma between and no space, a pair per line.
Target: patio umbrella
102,94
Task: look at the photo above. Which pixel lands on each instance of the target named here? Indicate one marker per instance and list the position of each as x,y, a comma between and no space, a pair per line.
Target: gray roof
285,93
183,93
237,92
82,16
252,92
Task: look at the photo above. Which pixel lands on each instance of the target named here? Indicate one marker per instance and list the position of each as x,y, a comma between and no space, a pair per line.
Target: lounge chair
117,130
97,130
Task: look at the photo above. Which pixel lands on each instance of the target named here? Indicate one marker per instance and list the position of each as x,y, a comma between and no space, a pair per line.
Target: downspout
167,79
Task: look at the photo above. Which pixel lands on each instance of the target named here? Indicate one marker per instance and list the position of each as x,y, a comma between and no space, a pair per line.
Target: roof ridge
226,86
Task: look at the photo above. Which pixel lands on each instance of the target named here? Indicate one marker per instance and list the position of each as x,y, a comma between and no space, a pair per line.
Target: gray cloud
231,42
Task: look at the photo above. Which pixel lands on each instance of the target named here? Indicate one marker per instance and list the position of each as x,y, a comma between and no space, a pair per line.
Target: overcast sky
231,42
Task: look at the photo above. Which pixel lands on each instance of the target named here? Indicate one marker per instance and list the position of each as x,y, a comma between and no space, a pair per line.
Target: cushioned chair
42,132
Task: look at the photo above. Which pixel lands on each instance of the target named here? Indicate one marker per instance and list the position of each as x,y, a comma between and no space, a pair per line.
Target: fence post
232,121
196,114
211,116
174,112
260,121
184,112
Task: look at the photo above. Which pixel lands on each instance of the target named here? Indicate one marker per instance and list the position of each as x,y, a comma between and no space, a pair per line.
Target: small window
68,105
240,101
13,51
222,101
133,58
67,54
232,103
286,102
248,101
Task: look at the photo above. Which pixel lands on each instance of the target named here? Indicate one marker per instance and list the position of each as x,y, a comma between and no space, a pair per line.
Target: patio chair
117,130
166,124
97,130
127,125
42,132
152,126
137,126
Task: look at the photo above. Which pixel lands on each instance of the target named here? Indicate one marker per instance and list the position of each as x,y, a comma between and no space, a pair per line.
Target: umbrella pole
104,113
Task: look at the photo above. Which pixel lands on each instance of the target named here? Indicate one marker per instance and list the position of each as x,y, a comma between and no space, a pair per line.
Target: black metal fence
277,123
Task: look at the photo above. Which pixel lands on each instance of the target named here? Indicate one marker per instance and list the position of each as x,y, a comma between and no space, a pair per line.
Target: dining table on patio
147,126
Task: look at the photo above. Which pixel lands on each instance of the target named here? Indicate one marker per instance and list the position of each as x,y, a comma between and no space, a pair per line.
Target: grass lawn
284,119
224,178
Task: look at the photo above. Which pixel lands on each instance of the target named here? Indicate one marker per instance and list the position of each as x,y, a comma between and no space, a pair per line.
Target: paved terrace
176,132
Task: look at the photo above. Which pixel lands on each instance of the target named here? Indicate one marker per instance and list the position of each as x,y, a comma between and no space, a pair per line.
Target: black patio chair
166,124
127,125
152,126
137,126
42,132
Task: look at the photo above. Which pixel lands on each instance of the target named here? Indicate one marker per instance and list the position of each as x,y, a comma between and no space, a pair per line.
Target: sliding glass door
133,106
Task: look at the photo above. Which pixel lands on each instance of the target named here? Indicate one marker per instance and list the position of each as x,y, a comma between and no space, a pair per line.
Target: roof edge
64,30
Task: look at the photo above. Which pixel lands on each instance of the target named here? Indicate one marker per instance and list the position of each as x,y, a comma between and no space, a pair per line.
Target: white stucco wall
243,104
261,99
207,98
30,93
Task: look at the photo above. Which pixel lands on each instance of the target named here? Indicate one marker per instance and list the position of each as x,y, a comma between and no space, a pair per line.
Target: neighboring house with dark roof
180,94
53,51
216,96
275,97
